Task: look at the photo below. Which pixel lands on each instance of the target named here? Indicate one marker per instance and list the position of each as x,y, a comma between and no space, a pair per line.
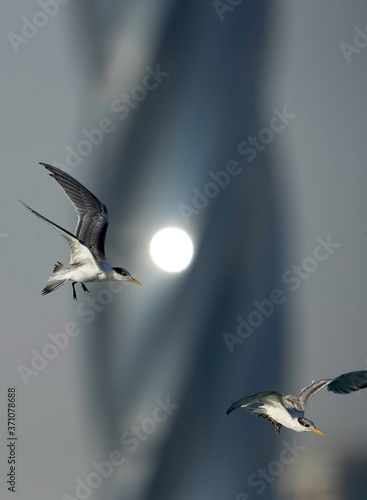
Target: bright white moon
171,249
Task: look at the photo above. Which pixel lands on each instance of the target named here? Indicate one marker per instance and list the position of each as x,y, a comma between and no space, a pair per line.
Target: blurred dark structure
166,339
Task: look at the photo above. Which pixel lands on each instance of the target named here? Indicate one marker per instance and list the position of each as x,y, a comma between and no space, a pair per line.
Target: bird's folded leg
278,426
74,292
84,288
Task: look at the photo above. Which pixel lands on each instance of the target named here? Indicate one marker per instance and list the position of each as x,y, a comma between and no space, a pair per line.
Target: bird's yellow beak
317,431
133,280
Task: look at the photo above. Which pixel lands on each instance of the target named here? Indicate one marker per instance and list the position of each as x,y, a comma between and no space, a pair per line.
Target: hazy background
165,339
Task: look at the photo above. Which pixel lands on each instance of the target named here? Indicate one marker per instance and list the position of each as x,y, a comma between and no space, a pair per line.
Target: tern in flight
87,257
289,410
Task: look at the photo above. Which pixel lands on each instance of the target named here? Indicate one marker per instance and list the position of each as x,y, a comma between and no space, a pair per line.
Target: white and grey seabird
289,410
87,256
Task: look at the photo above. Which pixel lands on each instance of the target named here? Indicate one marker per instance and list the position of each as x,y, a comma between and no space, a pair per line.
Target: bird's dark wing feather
344,384
93,218
349,382
257,411
79,251
268,397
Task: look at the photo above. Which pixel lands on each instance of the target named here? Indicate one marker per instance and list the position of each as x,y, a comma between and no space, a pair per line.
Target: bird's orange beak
133,280
317,431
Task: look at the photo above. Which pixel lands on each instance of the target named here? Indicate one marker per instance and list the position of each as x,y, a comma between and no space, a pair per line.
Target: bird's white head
124,275
308,425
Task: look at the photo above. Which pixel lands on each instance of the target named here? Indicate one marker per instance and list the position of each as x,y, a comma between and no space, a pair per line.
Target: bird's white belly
87,273
284,417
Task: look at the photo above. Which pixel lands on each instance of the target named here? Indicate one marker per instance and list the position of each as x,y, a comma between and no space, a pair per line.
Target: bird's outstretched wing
269,398
93,218
349,382
78,250
344,384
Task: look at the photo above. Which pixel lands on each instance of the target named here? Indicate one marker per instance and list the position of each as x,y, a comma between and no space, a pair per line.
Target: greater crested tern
87,256
289,410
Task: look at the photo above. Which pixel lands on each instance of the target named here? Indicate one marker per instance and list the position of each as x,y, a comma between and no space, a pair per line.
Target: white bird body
88,262
288,411
287,418
89,272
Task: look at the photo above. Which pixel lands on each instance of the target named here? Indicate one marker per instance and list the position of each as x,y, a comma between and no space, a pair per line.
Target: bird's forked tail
55,280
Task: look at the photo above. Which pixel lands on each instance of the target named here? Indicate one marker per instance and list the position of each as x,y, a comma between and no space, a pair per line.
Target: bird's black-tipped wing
78,249
344,384
349,382
93,218
271,398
